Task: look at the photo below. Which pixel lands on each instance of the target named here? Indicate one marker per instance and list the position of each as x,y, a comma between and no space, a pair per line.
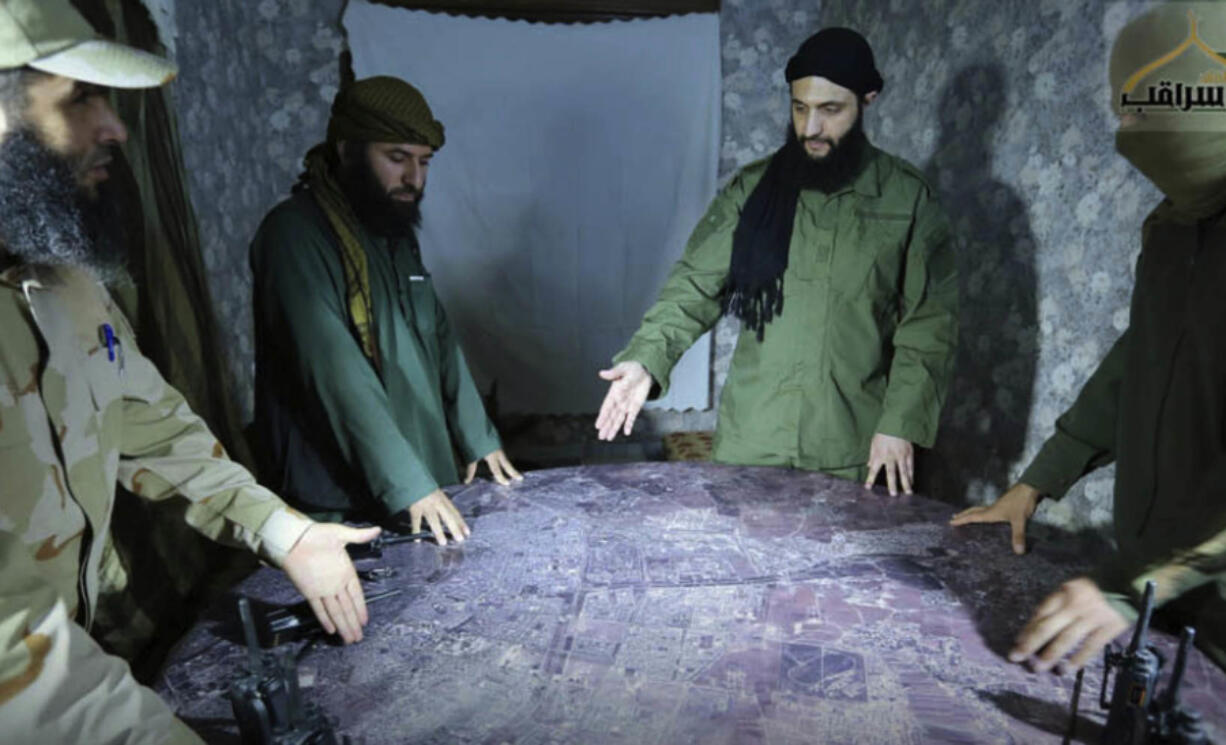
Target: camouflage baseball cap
50,35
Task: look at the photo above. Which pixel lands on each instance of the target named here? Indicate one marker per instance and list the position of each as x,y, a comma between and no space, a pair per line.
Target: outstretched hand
321,570
629,385
1015,507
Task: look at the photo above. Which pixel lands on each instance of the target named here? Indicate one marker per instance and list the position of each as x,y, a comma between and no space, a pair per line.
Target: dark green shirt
866,340
336,431
1156,406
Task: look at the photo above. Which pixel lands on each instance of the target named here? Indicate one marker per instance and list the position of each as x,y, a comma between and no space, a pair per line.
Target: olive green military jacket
78,415
1156,407
339,436
866,340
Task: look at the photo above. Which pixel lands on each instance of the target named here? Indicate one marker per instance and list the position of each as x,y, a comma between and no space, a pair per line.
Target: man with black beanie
839,262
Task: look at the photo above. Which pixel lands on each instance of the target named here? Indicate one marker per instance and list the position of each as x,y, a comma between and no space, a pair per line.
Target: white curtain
578,159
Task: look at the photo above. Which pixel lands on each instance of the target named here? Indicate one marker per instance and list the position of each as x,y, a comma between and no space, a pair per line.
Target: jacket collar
867,182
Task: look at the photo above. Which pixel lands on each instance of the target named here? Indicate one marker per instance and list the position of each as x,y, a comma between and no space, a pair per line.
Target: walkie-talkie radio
267,701
1136,674
1135,715
1172,723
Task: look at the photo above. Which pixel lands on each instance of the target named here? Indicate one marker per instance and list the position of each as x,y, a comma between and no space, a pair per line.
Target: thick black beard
835,171
374,208
45,219
104,216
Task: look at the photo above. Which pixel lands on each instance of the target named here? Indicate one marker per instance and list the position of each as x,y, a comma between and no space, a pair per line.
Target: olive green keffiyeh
378,109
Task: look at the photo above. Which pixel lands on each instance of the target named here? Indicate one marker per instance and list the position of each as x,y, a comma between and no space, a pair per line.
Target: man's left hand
897,457
500,467
322,571
1076,614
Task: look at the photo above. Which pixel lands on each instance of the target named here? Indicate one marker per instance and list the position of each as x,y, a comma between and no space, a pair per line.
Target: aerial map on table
686,603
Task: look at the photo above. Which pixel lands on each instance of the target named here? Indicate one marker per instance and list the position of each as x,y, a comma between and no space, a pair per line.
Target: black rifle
1136,673
267,701
290,623
374,549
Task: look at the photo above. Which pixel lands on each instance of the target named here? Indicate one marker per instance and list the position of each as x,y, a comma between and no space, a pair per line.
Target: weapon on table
1071,732
291,622
1172,723
374,549
1136,673
1136,716
267,701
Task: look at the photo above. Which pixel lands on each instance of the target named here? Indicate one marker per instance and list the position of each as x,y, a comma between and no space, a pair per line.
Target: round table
687,603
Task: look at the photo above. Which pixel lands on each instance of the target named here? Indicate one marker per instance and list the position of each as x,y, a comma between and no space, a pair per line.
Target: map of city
687,603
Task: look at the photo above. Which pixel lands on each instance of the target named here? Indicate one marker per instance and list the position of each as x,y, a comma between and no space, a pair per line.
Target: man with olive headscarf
838,261
1156,406
363,397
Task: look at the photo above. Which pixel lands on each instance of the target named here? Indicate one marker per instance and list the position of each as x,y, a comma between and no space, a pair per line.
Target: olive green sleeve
689,303
1187,569
926,338
1085,434
1174,575
299,287
471,430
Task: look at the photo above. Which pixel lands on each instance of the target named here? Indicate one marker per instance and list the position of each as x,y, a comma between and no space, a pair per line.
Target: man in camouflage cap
363,397
81,409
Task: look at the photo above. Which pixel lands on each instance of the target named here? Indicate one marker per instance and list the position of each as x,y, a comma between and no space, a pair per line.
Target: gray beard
42,220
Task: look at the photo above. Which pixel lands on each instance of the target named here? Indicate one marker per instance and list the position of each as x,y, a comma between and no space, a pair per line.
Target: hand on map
1015,507
629,384
438,511
500,467
322,571
1076,616
897,457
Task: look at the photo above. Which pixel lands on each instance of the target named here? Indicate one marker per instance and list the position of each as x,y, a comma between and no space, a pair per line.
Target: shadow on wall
983,428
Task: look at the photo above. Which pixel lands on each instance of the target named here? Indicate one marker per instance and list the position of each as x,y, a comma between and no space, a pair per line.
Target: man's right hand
629,385
437,510
321,570
1014,507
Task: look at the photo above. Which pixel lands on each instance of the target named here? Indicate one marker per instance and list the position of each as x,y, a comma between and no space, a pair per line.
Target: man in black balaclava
850,373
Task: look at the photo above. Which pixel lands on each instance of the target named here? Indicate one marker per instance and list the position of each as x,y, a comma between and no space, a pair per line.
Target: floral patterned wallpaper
1005,106
256,81
1002,105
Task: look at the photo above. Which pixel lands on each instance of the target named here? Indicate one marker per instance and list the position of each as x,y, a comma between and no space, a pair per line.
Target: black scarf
754,292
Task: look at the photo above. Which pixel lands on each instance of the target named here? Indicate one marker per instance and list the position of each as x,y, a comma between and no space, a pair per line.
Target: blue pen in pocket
114,347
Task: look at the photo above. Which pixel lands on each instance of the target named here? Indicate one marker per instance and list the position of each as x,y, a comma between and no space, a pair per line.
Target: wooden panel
560,11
